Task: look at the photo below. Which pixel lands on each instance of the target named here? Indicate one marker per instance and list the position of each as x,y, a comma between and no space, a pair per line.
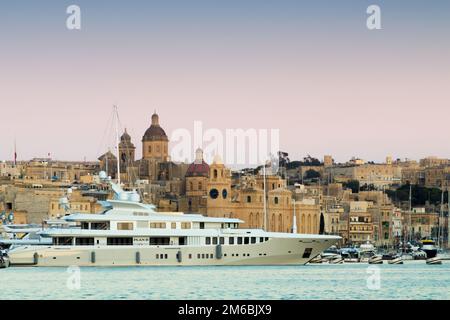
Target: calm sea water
413,280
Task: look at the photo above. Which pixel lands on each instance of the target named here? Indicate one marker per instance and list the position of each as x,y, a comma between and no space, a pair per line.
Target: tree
312,174
322,224
352,184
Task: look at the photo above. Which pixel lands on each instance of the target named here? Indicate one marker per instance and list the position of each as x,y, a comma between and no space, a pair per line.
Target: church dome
125,141
125,137
155,132
199,168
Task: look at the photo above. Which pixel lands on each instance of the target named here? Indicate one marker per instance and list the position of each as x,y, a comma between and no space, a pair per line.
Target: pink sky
346,94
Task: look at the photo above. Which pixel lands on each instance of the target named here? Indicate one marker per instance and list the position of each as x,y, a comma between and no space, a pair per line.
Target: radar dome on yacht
102,175
135,197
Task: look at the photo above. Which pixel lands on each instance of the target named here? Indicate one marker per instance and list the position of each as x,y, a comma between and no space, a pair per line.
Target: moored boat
396,260
429,247
376,259
434,260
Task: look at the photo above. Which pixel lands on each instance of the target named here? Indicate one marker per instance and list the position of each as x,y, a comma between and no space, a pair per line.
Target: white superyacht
131,233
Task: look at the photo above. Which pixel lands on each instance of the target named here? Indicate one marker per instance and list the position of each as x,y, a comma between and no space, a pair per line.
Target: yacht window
203,256
185,225
84,225
246,240
124,226
157,225
222,240
99,225
84,241
231,240
253,239
120,241
208,240
261,239
202,225
239,240
157,256
173,225
215,240
165,256
181,241
159,241
307,253
63,241
190,256
198,255
267,239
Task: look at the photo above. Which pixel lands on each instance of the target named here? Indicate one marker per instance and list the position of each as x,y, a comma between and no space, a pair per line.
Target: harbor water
412,280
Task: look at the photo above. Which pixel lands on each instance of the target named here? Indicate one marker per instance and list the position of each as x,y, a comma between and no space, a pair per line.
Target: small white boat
396,260
317,259
376,259
434,260
337,260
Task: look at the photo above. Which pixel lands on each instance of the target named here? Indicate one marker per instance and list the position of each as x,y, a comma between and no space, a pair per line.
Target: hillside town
384,203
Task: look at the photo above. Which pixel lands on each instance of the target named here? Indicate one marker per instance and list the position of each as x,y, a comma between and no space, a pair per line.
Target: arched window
249,199
272,223
315,226
275,200
150,149
215,173
308,224
191,186
200,185
280,223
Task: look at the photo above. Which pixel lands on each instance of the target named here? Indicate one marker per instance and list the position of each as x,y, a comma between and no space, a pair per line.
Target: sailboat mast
410,222
117,144
264,198
441,214
294,221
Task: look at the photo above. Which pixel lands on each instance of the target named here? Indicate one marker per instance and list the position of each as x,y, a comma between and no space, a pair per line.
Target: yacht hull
276,251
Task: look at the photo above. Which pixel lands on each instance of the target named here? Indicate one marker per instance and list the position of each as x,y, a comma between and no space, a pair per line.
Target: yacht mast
117,144
294,221
441,214
410,222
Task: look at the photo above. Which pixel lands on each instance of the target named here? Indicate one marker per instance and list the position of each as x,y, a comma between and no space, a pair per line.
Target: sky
311,69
